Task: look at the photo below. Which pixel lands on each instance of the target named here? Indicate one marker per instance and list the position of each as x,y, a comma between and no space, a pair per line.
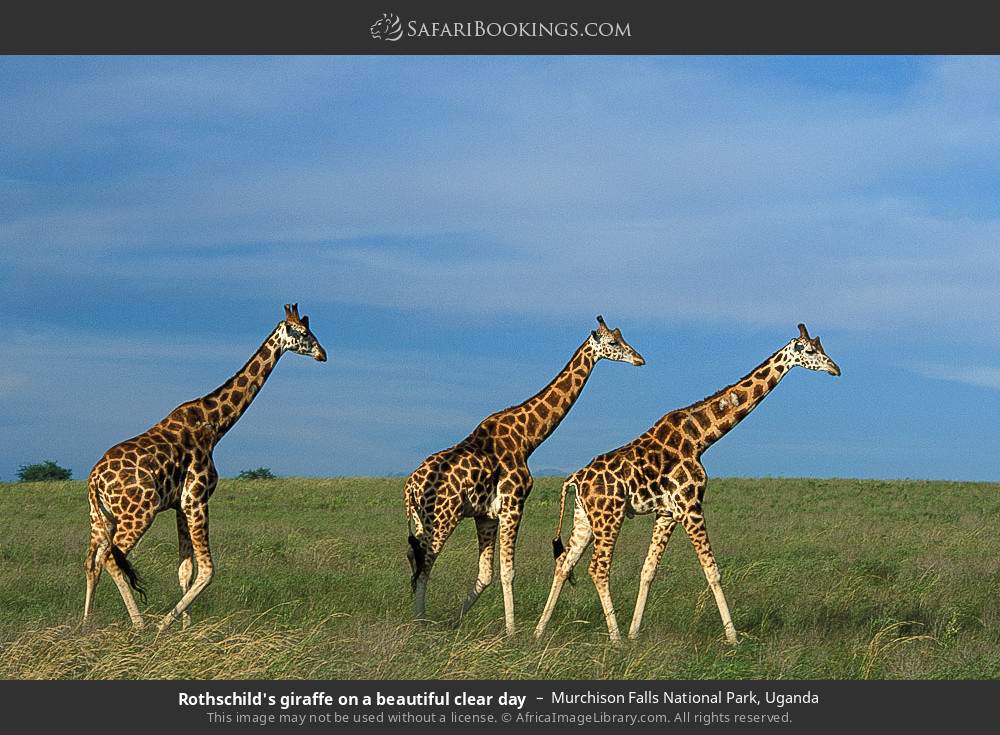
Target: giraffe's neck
712,418
224,405
540,415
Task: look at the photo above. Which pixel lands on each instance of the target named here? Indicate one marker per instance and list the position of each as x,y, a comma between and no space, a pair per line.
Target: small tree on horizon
46,471
258,473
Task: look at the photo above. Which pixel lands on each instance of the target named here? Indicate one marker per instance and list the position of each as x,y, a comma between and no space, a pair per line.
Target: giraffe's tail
416,556
557,545
121,561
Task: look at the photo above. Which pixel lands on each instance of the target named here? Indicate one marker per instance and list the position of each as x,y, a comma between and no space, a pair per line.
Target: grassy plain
826,579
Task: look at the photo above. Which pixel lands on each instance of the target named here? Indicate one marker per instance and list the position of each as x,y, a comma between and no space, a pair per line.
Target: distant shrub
43,472
258,473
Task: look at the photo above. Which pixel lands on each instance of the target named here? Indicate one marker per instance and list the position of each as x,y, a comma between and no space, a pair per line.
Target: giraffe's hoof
165,623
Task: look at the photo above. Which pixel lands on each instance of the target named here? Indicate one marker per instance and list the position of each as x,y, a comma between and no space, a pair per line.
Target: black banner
514,27
507,706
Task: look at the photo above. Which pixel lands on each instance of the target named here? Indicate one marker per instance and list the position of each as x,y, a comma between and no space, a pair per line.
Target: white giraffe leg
185,566
713,577
578,542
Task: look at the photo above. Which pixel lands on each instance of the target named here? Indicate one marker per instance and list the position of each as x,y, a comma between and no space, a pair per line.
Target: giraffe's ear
305,322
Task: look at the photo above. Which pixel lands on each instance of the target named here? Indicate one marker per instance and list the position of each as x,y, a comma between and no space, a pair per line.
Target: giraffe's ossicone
660,472
485,476
170,466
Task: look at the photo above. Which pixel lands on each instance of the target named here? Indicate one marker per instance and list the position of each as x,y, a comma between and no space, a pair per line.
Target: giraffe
486,475
660,472
170,466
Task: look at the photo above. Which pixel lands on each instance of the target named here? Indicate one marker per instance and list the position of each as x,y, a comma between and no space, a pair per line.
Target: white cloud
977,375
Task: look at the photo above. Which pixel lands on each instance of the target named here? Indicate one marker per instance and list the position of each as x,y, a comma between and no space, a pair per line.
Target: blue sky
453,225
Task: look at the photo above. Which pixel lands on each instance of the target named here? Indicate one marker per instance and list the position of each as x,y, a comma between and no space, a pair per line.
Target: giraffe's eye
799,347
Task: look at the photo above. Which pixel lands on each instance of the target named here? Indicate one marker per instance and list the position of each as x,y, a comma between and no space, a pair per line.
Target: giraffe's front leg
486,532
194,507
185,567
694,525
509,523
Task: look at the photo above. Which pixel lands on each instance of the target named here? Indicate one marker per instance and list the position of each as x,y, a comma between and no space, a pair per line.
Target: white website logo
387,28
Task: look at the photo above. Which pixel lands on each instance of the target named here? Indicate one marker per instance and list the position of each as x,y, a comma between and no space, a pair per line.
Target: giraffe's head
297,337
609,344
808,352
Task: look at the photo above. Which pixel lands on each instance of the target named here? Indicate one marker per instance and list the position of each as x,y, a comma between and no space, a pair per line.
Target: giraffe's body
486,477
170,466
660,472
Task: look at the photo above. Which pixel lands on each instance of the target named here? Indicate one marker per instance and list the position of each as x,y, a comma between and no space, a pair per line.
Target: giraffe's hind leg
605,536
439,526
96,552
185,567
662,529
486,533
126,536
578,542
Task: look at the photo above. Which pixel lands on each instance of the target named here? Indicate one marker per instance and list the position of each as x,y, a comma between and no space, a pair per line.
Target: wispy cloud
977,375
781,202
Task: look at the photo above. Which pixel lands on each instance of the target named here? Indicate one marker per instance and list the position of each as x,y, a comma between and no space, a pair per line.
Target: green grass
825,578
